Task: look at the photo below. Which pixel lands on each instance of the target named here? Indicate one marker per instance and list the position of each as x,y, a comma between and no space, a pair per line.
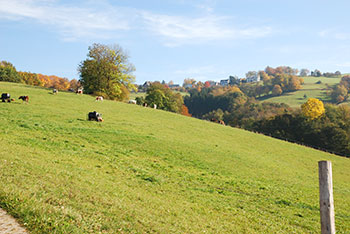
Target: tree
294,83
107,71
304,72
164,98
251,74
8,72
313,108
316,73
30,78
189,83
74,84
339,94
277,90
184,111
337,73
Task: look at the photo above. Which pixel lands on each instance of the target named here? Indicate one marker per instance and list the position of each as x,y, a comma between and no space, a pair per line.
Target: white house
253,78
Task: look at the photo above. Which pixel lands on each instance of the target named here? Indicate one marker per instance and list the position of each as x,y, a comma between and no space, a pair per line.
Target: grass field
310,89
144,170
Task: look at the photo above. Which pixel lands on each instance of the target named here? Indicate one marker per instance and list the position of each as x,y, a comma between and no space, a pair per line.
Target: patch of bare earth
8,225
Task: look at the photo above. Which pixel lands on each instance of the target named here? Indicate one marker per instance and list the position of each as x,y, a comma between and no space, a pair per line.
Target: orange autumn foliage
184,111
52,81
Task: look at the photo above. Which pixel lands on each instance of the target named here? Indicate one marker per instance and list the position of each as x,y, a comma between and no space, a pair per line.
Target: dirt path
8,225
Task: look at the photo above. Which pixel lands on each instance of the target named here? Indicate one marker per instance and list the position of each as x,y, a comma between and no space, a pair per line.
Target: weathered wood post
326,197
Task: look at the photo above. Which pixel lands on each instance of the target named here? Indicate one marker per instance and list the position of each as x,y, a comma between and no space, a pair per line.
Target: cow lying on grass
95,116
55,91
24,98
5,97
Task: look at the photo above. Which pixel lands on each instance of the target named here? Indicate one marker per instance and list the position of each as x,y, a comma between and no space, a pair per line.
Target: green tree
107,72
164,98
8,72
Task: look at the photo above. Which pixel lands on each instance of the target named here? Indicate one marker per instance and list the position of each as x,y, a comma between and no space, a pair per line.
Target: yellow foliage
224,90
313,108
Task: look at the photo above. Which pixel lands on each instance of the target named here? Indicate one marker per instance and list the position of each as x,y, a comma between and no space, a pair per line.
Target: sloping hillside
146,170
311,88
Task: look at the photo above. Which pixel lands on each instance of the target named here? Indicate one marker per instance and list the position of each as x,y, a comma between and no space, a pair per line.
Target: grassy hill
310,88
146,170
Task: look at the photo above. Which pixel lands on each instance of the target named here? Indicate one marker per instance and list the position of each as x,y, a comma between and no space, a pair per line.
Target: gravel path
8,225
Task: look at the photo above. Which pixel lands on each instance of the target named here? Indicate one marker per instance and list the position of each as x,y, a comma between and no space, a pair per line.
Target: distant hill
145,170
312,88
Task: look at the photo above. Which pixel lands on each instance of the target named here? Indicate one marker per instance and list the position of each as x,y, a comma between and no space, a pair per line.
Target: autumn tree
189,82
294,83
277,90
107,71
313,108
30,78
185,112
74,84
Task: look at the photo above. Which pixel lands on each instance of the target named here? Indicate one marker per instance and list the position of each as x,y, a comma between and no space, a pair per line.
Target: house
253,78
225,82
146,85
174,86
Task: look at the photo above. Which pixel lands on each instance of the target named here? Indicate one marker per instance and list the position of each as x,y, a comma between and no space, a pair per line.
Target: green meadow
149,171
310,88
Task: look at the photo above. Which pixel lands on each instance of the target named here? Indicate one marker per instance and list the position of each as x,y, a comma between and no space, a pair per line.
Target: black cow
5,97
24,98
95,116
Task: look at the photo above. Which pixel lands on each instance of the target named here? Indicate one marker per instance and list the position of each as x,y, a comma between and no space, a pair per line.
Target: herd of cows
92,116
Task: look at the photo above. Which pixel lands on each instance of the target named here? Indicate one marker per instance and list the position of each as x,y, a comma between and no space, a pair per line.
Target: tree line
9,73
327,128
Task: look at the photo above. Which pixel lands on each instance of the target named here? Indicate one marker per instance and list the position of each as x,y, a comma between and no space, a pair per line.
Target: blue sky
177,39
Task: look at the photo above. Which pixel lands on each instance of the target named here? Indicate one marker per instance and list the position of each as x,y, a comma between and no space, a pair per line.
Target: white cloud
100,19
178,30
73,22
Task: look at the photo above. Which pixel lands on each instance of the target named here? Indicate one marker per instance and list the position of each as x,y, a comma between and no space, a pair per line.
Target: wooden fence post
326,197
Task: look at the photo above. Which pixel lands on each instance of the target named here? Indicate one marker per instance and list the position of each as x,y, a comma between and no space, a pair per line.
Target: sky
176,39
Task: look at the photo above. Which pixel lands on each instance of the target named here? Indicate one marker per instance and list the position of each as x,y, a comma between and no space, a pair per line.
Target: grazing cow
218,121
5,97
24,98
132,101
95,116
145,104
55,91
99,98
